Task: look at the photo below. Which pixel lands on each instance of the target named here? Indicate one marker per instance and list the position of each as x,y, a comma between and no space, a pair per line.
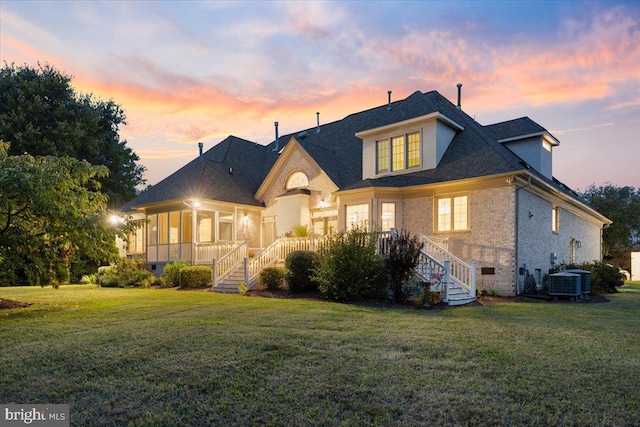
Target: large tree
622,206
48,215
41,114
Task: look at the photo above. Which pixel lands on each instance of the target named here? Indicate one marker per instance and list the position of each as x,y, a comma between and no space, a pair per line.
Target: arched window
297,180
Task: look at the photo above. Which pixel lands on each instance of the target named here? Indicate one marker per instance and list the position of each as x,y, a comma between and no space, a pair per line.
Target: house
481,198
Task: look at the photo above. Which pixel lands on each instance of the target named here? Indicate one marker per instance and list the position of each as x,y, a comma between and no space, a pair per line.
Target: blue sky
193,71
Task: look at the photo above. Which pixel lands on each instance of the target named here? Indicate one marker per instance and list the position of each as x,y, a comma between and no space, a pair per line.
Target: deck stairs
448,274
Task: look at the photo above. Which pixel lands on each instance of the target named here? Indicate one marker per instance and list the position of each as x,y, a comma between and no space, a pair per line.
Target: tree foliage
401,262
349,267
48,214
41,114
622,206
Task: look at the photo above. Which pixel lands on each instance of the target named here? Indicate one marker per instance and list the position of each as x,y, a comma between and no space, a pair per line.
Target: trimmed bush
271,278
171,272
299,267
125,273
401,262
196,276
605,278
349,268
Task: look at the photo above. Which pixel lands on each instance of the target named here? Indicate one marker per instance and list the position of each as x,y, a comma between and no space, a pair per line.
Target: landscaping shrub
299,267
401,262
125,273
349,268
171,272
271,278
196,276
89,279
605,278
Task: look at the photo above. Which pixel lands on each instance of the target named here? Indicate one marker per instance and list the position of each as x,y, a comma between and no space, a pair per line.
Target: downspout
604,227
517,225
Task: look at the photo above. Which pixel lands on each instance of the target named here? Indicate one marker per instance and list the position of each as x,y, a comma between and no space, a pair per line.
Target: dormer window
297,180
398,153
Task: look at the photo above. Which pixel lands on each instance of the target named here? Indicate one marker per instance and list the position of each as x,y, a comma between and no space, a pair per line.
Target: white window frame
357,215
452,214
388,216
389,163
297,179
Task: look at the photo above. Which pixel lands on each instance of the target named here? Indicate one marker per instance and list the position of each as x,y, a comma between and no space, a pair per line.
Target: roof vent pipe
389,100
318,122
277,142
459,106
200,146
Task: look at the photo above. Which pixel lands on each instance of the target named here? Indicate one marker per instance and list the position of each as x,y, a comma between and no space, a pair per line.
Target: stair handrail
206,251
230,261
462,273
263,259
275,252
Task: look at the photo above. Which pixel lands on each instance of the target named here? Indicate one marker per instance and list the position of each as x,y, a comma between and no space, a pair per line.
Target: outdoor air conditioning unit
565,284
585,280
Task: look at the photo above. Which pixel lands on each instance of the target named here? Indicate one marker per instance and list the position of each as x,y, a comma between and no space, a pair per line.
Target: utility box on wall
635,265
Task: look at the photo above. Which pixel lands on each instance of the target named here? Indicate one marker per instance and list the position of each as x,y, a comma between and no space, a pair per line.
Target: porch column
194,234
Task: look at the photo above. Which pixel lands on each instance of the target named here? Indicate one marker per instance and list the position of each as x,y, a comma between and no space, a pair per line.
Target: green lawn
165,357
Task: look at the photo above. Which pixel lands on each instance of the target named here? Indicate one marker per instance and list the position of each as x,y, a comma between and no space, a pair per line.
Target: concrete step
460,300
226,288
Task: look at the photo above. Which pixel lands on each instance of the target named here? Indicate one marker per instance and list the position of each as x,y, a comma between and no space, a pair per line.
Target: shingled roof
231,171
515,128
473,152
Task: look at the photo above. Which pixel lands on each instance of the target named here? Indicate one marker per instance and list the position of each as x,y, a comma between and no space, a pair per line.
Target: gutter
517,224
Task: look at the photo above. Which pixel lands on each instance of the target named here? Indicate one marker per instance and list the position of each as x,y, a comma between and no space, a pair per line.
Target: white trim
545,135
410,122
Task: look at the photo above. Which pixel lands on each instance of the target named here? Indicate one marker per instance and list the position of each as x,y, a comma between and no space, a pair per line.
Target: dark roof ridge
478,130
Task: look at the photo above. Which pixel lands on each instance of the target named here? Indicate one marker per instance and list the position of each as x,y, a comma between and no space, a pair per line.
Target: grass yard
164,357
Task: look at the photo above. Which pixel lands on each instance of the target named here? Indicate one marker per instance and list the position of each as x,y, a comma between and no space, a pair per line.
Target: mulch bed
381,303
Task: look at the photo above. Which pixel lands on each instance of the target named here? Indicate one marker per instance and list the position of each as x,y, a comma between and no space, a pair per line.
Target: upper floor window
398,153
453,213
297,180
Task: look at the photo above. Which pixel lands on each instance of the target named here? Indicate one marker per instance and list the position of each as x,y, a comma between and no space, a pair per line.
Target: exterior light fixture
116,220
245,219
192,203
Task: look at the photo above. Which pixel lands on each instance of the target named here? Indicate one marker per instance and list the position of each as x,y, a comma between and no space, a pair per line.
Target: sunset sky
193,71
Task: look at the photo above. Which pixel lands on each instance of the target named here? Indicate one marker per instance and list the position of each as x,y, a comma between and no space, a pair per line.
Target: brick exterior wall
320,185
490,240
536,240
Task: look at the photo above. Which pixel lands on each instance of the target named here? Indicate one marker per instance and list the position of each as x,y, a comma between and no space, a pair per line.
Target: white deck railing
460,272
274,253
230,261
205,252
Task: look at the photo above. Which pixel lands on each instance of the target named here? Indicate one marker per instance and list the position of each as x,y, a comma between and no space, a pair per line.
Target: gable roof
336,148
231,171
520,128
473,152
